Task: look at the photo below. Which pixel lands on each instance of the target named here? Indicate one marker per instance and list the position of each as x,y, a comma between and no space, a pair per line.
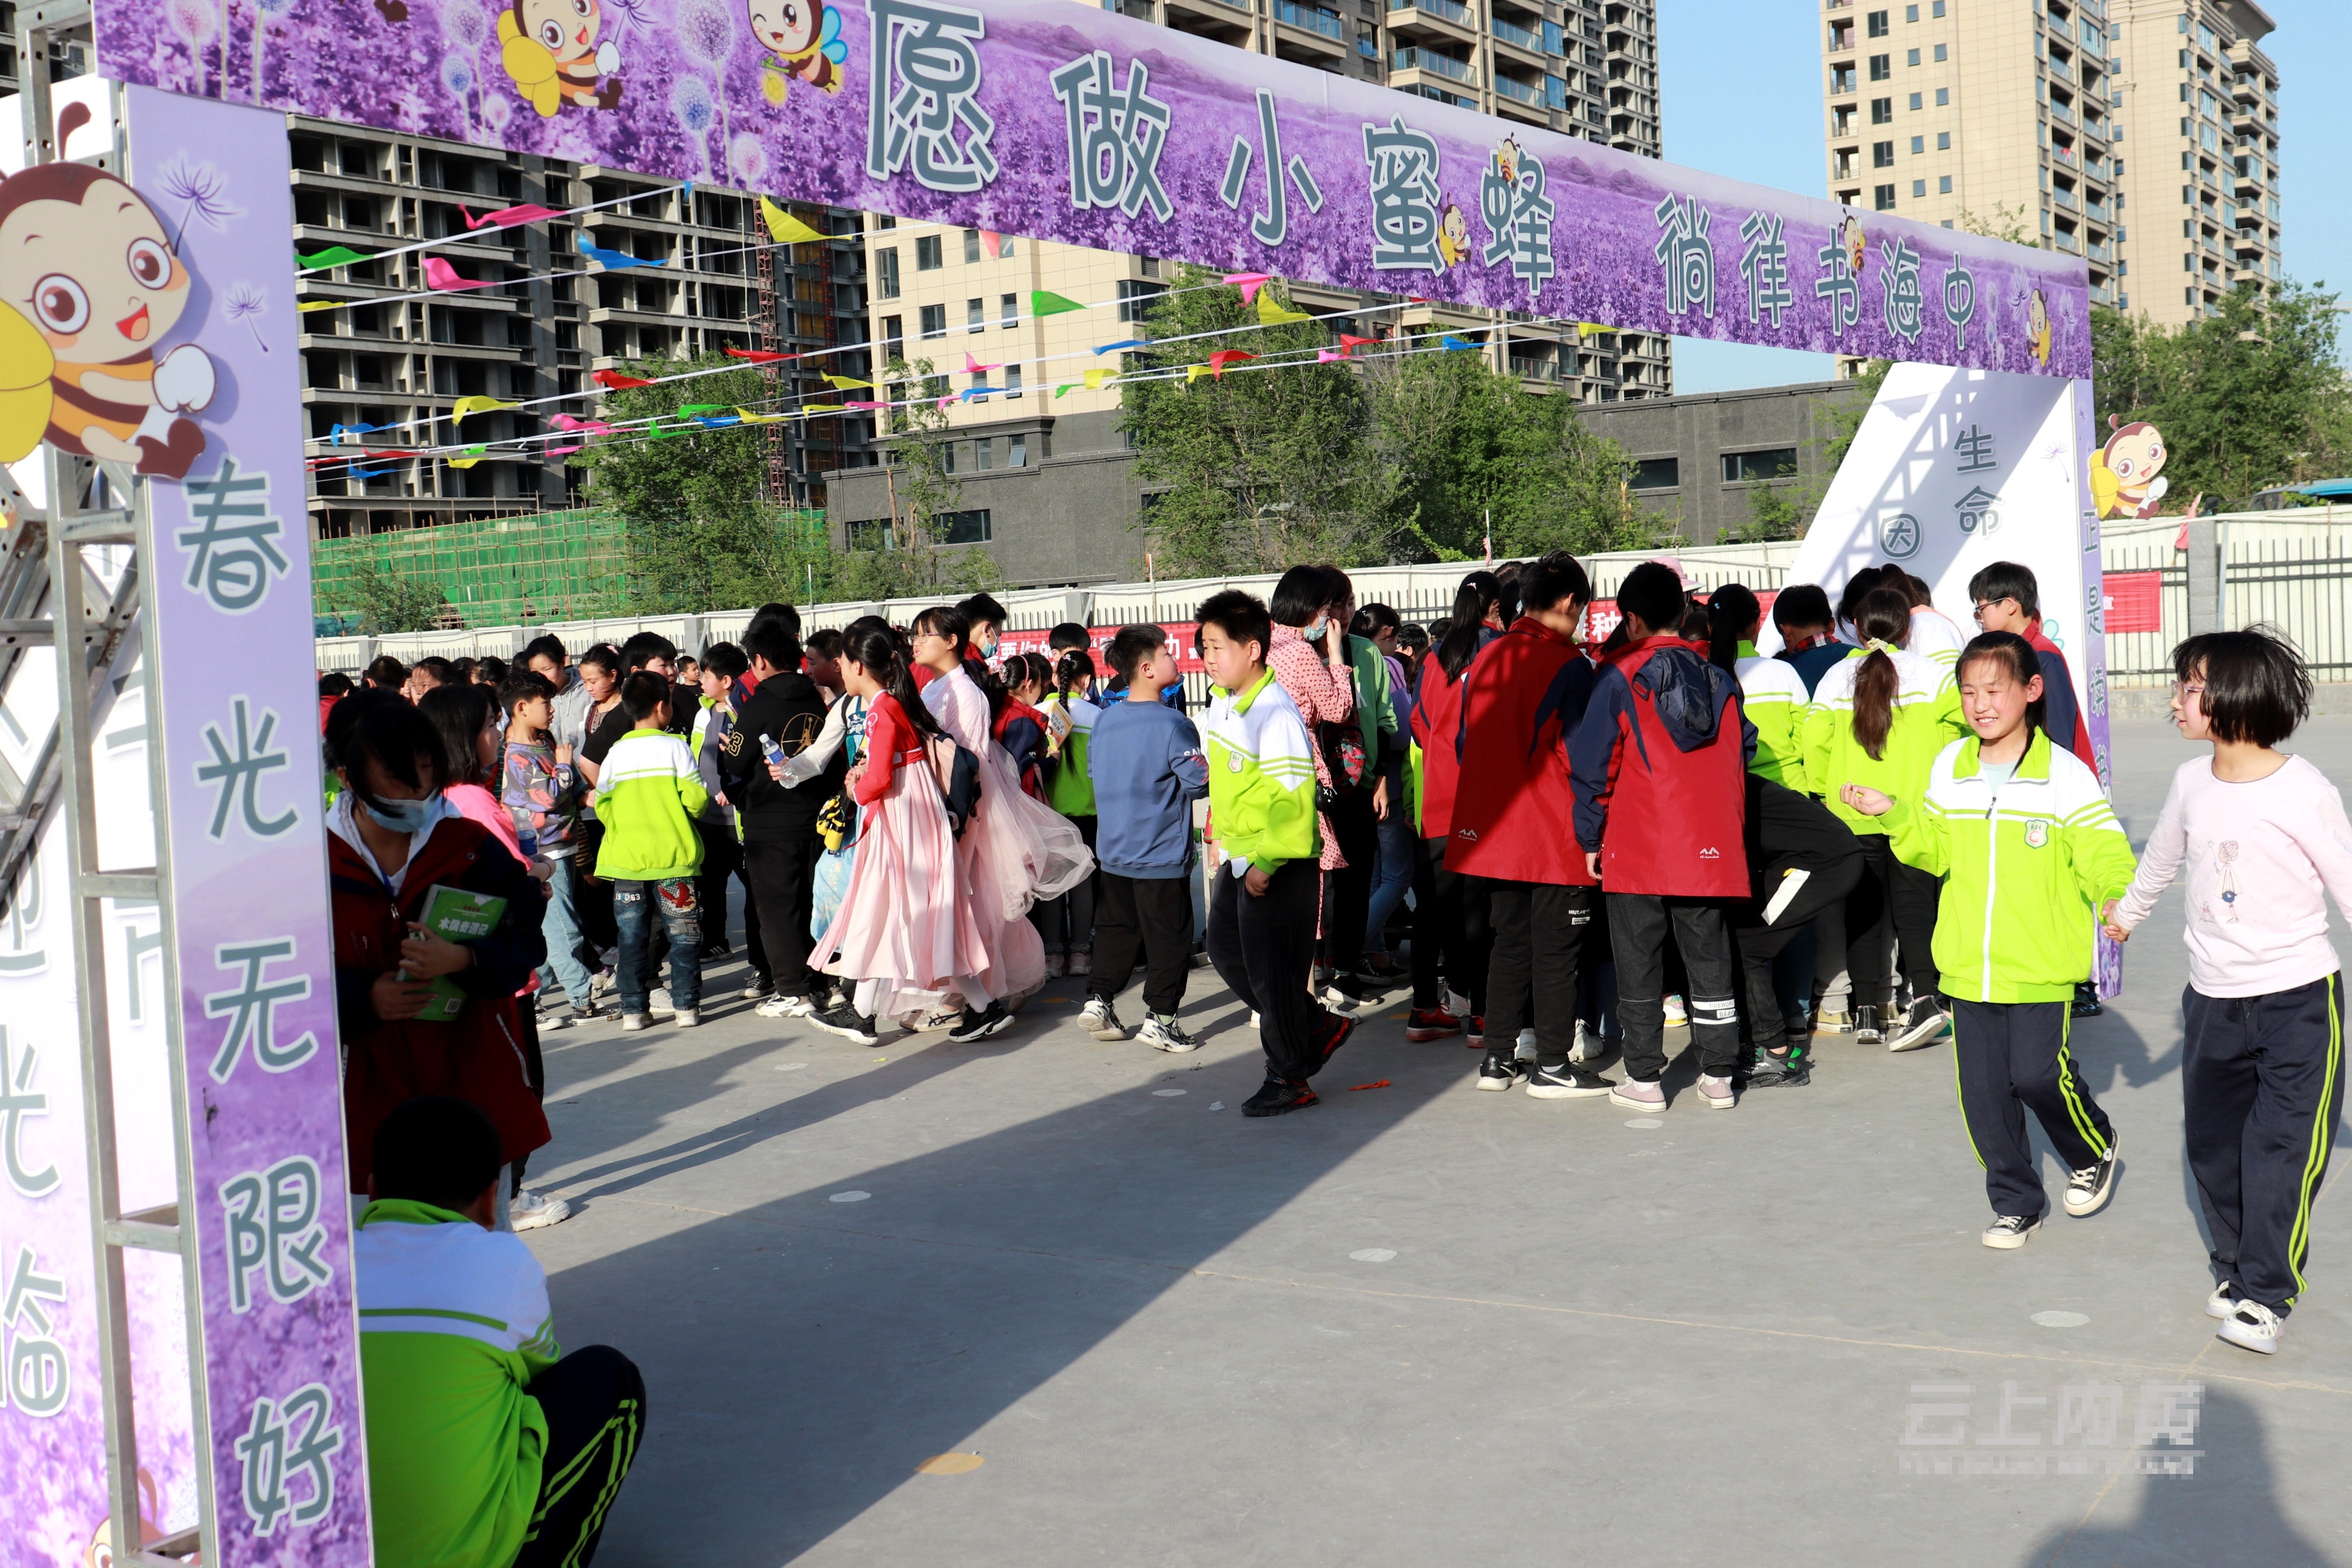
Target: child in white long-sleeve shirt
2261,837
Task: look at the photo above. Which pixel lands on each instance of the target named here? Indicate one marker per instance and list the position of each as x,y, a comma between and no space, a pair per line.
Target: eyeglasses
1984,605
2188,691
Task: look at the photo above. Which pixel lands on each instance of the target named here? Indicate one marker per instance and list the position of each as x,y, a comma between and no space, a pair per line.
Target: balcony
1438,18
1519,37
2064,198
1435,64
1226,21
1505,87
1310,18
1842,78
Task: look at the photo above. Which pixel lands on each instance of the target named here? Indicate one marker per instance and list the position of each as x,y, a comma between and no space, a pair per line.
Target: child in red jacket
1660,764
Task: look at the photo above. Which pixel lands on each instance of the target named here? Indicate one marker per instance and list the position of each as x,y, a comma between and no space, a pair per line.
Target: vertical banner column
242,813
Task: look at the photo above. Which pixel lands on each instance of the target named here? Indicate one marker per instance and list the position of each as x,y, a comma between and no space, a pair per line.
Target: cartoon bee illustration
89,282
2037,328
1506,159
2127,478
550,50
803,39
1453,234
1857,246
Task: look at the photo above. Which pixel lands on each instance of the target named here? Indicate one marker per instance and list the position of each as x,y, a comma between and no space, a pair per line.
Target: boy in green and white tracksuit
649,793
1262,915
2028,858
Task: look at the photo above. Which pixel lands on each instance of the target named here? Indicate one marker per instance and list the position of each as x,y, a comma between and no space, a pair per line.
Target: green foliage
2004,222
1384,459
677,469
393,602
2251,396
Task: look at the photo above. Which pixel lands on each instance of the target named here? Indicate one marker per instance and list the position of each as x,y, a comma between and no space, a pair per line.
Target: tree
2004,222
390,601
2252,394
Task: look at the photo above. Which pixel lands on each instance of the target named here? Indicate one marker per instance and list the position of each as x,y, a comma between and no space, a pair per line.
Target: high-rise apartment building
2198,164
1045,480
2000,113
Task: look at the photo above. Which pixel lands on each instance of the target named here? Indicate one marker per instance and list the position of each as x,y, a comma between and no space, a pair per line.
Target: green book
454,914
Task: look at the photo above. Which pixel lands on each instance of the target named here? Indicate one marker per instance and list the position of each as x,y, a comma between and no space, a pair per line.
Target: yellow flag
846,382
822,408
1095,378
1270,314
784,228
473,455
1195,372
750,418
466,406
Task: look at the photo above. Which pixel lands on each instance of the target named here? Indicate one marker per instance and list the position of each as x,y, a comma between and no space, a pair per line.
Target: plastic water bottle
772,752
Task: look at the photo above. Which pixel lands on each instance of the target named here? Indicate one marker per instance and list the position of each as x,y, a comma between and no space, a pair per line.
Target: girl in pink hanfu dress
907,934
1016,850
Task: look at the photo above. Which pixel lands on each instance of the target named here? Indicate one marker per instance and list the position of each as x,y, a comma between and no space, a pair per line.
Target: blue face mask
1313,631
401,816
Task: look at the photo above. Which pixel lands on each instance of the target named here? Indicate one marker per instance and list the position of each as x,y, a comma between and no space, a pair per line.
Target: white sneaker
1253,1023
1100,1019
659,1004
632,1022
786,1008
688,1017
1677,1014
2222,1301
604,983
2252,1326
1636,1094
1526,1049
1715,1093
535,1211
2011,1231
1456,1003
1081,962
553,1018
1586,1047
1166,1035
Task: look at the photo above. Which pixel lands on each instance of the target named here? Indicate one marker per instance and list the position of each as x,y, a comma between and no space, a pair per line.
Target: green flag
1045,303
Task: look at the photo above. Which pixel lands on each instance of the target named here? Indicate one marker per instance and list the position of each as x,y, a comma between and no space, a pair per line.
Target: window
1936,10
970,246
935,321
1657,474
1008,310
1910,12
1882,155
886,268
1882,198
1882,112
1943,140
963,526
1915,103
1882,66
1016,451
1004,243
1918,145
1918,187
975,315
1135,298
983,454
1943,97
1944,185
947,459
1876,22
1012,381
885,220
1776,463
1943,53
927,253
1911,57
874,535
894,337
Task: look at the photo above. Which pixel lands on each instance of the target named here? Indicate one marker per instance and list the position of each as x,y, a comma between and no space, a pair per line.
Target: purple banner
1065,123
230,594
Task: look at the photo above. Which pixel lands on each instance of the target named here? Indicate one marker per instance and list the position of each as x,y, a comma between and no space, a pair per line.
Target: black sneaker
849,1024
990,1020
1356,990
1565,1081
2086,1002
2088,1189
1920,1026
2011,1231
1501,1071
1866,1031
1336,1034
1277,1095
1789,1071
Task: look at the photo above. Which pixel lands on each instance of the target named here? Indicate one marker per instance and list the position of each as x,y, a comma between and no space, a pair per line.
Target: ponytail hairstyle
877,652
1077,665
1859,587
1734,615
1884,616
1023,668
2019,657
1481,592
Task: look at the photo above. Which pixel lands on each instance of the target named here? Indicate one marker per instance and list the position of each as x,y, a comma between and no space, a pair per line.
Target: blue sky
1735,79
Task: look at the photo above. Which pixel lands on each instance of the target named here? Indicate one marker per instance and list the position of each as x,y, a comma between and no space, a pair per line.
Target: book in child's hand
455,915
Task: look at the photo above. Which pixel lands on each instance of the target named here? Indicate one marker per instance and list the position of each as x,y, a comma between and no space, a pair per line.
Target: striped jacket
1773,694
1927,719
648,793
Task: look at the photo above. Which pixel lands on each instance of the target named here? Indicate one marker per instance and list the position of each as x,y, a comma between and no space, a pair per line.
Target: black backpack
957,772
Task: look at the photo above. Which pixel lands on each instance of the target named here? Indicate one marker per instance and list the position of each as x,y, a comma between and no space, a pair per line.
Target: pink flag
863,402
973,368
1248,283
1325,356
439,274
594,427
507,217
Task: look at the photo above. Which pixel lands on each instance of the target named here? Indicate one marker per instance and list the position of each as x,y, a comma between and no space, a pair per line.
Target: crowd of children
1881,830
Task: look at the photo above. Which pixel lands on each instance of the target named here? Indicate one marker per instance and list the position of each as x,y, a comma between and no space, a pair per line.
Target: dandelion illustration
458,76
246,303
194,20
628,15
689,103
464,26
496,113
706,31
263,10
748,159
203,192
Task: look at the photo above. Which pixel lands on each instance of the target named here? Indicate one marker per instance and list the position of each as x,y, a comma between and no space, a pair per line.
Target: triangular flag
1349,342
1249,283
439,274
1195,372
864,403
466,406
616,380
991,245
333,256
750,418
1450,342
507,217
846,382
612,260
1045,303
821,408
1096,379
1584,327
594,426
716,421
946,401
309,305
1325,356
1124,343
970,366
1270,314
691,409
557,451
1223,357
786,229
473,455
1066,386
759,356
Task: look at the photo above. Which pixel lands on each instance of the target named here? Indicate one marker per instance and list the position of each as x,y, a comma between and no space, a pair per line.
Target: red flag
615,380
1350,343
1223,357
759,356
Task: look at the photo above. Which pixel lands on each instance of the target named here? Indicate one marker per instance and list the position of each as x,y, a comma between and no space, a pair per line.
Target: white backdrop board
1953,470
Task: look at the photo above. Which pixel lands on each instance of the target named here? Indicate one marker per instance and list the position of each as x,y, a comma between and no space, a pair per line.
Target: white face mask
400,816
1313,630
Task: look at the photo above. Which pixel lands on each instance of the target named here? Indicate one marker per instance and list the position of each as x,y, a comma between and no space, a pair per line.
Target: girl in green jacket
2030,852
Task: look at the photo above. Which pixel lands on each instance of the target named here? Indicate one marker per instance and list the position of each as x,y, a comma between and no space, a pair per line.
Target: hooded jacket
1660,763
1514,807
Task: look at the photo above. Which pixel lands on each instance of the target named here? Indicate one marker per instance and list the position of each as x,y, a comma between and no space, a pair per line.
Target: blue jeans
634,904
1394,877
560,925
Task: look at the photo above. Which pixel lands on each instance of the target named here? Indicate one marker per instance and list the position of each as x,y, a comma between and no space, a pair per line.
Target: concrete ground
1415,1324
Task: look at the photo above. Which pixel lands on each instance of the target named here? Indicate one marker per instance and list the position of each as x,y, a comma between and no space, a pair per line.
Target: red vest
1676,820
1513,807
